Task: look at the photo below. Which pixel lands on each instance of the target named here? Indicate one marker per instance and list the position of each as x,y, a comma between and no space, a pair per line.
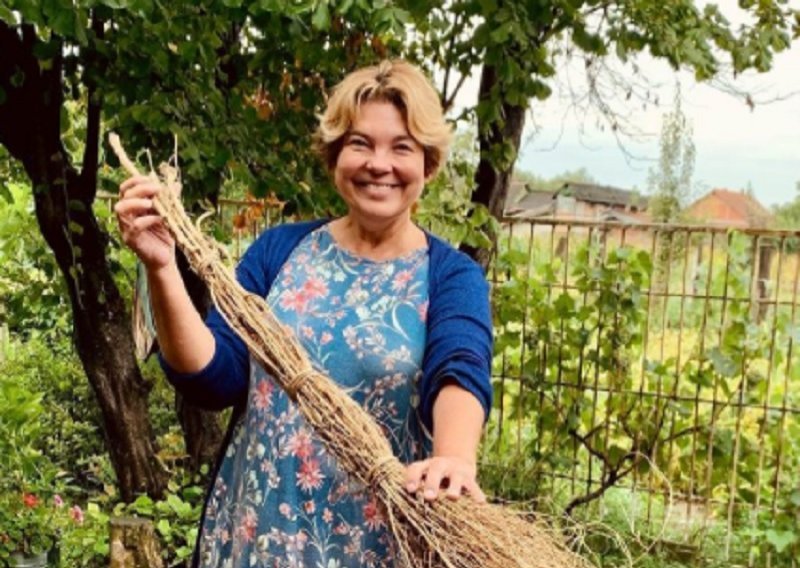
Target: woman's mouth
377,187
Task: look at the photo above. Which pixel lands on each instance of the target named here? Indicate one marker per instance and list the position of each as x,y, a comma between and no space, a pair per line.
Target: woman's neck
378,243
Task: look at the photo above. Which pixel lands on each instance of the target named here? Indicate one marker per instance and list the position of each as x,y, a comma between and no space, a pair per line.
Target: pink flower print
422,310
294,300
327,515
325,338
300,444
296,543
263,395
401,279
307,331
315,287
351,337
352,548
248,526
285,509
309,507
341,528
369,559
310,477
372,515
76,514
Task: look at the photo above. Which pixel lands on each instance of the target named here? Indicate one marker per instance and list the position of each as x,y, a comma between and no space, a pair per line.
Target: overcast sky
736,147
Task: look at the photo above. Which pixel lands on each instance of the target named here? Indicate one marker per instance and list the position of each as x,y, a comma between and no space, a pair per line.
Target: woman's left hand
453,475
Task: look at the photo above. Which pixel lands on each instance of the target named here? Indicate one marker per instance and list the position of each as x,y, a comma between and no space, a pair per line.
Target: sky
736,147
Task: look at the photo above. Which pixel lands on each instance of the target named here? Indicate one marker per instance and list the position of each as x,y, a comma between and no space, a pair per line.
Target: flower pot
24,561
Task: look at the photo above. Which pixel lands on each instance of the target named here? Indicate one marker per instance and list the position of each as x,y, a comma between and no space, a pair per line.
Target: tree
239,82
239,85
671,184
533,182
519,45
788,214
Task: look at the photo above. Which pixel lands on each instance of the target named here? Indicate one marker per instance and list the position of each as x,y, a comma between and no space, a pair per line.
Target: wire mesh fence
647,374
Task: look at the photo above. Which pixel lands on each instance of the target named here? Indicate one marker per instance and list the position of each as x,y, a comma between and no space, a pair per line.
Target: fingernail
430,493
411,487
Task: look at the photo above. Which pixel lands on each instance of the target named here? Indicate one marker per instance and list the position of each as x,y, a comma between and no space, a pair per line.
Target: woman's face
380,171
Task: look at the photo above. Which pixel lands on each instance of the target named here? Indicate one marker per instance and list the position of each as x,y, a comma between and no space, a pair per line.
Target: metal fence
645,376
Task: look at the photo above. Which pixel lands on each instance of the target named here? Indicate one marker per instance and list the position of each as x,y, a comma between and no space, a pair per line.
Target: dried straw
440,534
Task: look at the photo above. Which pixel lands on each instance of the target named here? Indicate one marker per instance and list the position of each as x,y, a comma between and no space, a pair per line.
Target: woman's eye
403,148
357,142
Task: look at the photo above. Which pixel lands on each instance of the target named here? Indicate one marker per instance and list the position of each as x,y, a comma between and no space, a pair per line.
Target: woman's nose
379,162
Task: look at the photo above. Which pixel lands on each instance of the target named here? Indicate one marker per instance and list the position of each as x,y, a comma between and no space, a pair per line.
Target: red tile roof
738,208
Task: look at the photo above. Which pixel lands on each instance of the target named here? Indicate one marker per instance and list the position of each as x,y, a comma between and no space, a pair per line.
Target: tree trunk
30,130
133,544
202,432
496,166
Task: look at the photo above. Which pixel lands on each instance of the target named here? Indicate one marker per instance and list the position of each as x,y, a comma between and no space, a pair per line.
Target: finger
414,474
133,207
433,480
132,181
141,190
475,491
455,486
148,222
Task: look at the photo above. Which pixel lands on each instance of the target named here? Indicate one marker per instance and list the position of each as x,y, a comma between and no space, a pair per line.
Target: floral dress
279,499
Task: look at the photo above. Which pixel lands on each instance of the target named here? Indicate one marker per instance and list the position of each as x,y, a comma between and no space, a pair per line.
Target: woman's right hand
142,228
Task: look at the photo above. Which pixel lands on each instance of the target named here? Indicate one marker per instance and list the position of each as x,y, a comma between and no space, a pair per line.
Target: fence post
134,544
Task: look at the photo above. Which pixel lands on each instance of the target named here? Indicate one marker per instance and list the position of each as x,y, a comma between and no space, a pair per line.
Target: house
726,208
582,201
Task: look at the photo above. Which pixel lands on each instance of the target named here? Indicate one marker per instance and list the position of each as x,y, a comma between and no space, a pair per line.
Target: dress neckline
405,257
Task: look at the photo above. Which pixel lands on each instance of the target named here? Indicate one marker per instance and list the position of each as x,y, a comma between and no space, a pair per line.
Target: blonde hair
396,82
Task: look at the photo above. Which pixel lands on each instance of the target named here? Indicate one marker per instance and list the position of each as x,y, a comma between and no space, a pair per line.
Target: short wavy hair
399,83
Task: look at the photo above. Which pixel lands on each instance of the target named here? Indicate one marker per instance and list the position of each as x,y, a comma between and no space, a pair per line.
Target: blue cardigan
459,329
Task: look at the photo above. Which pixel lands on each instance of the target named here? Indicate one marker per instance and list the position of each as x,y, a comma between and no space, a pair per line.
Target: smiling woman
399,319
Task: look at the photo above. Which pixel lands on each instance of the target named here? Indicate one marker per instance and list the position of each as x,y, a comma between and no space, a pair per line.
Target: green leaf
115,4
781,540
723,364
163,527
322,16
7,15
5,193
75,228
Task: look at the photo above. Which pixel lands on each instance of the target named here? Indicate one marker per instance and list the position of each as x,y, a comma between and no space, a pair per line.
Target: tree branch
91,150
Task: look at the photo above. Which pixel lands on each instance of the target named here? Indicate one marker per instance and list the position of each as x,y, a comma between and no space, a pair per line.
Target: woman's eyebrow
357,133
400,138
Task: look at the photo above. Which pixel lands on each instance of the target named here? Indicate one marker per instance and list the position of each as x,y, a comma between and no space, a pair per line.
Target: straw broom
440,534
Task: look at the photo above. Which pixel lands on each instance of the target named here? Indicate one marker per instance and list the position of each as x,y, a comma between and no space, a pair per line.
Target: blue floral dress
279,499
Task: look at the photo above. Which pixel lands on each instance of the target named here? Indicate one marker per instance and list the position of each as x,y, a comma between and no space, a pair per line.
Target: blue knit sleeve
459,340
223,382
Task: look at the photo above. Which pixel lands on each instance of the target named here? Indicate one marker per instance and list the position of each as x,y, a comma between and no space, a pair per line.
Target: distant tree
788,214
535,182
670,184
521,45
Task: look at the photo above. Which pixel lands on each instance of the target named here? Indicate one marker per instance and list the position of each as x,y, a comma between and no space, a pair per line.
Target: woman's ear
430,173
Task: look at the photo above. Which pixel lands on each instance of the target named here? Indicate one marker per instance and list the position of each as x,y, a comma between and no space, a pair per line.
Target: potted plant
30,526
31,511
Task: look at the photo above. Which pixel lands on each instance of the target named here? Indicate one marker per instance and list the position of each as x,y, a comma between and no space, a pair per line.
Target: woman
394,315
